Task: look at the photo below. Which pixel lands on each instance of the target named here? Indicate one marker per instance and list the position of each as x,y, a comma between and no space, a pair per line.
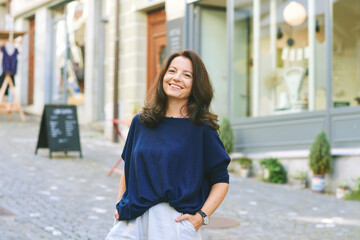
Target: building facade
282,70
285,71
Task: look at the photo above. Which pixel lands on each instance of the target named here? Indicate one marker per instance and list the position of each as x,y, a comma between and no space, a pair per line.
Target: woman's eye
188,75
171,70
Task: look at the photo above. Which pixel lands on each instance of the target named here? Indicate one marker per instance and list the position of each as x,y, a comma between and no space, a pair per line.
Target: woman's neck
176,109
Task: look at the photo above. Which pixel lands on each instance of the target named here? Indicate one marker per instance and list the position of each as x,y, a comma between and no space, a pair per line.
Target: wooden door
31,61
156,44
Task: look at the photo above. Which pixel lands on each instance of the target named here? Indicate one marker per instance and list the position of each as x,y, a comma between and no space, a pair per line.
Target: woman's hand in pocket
196,220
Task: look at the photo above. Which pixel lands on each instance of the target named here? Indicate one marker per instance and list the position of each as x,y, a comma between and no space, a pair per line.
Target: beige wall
133,53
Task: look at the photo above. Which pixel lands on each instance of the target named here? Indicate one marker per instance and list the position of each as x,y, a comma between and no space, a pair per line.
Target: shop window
291,50
279,54
241,60
346,53
69,48
213,50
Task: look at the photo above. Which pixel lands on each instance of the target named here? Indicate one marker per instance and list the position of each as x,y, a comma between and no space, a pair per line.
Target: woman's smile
178,79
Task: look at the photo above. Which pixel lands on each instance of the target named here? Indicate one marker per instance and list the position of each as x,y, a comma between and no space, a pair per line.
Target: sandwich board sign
59,129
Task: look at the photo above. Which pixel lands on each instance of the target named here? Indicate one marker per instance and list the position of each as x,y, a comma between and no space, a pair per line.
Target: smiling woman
175,163
183,81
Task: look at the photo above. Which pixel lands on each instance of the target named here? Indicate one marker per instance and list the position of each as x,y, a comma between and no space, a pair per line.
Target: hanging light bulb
294,13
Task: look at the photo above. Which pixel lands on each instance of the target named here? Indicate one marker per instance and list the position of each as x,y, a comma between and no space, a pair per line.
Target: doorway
156,44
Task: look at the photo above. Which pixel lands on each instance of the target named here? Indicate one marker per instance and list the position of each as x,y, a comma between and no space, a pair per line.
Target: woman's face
178,79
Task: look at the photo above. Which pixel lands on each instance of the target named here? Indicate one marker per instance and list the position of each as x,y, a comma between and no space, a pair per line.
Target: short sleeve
216,158
126,154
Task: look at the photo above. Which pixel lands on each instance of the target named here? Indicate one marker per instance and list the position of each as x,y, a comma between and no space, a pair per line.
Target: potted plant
245,166
355,193
273,171
299,179
320,161
341,190
226,135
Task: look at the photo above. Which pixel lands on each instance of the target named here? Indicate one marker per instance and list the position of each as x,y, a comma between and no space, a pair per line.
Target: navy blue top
175,162
9,62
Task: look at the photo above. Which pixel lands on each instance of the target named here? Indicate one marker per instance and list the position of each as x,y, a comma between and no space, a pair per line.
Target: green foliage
352,196
320,155
355,193
277,173
300,175
244,162
343,186
227,135
356,187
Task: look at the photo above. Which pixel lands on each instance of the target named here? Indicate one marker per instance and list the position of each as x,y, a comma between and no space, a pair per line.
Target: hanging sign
59,129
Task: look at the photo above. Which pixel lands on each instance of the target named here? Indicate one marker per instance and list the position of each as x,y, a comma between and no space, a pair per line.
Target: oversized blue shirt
175,162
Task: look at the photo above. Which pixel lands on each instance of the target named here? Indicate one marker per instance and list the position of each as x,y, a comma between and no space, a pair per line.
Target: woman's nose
176,77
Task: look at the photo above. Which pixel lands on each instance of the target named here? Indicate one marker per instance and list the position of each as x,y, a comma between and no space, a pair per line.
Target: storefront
285,66
62,56
282,71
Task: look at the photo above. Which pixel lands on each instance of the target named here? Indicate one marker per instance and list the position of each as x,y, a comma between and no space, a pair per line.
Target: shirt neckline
175,117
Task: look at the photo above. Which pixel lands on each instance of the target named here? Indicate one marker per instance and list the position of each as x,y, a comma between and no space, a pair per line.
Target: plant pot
266,174
245,172
341,192
318,183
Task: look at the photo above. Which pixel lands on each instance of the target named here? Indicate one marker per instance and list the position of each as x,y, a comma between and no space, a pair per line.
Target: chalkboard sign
59,129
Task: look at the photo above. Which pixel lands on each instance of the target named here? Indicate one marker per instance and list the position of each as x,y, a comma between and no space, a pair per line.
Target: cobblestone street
68,197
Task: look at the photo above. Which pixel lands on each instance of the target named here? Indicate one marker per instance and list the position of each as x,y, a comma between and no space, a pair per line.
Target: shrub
277,173
355,193
320,155
352,196
300,175
245,162
227,135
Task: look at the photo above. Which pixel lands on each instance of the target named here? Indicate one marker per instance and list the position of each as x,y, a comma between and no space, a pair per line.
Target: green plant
356,187
343,185
277,173
352,196
300,175
227,135
244,162
320,155
355,193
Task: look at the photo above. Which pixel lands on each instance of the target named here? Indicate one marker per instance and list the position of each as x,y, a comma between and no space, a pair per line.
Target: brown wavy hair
199,100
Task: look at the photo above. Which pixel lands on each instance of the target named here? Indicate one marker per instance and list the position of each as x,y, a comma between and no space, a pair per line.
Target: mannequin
9,61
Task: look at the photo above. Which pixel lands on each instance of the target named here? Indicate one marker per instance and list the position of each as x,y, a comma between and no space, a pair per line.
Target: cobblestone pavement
72,198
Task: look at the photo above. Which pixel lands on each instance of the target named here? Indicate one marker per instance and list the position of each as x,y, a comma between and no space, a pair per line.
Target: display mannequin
9,62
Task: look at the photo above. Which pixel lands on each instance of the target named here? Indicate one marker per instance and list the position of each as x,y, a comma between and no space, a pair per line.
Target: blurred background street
286,79
71,198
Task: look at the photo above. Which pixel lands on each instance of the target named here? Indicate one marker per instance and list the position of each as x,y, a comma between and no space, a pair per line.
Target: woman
175,163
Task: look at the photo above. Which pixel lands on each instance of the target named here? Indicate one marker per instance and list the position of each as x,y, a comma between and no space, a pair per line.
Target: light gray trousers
157,223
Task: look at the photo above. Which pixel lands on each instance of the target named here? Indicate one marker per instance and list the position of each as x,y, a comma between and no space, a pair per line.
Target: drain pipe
116,69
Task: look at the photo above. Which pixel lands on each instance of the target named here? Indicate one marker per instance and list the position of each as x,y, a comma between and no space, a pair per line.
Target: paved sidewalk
72,198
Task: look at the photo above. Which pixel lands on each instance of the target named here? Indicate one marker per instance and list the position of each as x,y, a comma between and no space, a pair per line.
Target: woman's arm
122,188
217,194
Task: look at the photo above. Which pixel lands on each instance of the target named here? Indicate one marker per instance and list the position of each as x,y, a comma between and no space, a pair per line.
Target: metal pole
116,69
